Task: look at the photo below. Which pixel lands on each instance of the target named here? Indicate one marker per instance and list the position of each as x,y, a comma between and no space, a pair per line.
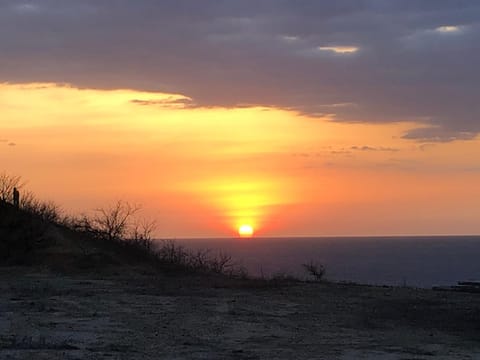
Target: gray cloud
340,152
438,134
371,148
184,103
265,52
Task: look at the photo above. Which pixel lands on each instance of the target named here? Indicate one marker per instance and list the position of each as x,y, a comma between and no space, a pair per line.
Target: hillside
29,239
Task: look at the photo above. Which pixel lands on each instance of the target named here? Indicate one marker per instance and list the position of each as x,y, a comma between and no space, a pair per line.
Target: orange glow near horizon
207,171
244,201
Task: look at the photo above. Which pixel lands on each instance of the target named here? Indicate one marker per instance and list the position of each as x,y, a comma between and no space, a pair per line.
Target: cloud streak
371,148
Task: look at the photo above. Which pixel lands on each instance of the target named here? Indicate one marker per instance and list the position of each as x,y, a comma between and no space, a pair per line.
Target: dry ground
48,316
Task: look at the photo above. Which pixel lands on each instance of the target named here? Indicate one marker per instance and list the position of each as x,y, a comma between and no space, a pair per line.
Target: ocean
419,261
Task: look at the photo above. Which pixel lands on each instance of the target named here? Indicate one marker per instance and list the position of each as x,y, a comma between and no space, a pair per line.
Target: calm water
416,261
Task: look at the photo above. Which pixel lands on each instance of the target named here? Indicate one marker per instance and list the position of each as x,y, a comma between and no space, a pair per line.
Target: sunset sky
303,118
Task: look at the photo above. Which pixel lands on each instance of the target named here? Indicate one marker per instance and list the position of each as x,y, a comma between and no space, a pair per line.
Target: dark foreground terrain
131,316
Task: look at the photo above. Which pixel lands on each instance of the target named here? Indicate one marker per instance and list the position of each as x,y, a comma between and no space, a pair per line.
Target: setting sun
245,231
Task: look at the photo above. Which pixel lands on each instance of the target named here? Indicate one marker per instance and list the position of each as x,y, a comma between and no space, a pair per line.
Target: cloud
393,59
448,29
370,148
438,134
339,49
340,152
175,102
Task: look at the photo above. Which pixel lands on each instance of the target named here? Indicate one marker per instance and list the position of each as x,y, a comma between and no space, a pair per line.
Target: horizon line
317,237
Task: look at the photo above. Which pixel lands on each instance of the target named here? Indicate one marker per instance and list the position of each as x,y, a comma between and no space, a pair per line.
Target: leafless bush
316,270
47,210
141,233
81,223
199,259
27,200
220,263
171,253
203,261
113,223
7,184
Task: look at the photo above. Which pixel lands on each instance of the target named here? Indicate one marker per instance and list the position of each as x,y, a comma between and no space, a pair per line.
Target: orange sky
205,171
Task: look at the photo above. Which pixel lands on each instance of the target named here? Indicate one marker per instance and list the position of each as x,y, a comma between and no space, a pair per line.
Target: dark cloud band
391,60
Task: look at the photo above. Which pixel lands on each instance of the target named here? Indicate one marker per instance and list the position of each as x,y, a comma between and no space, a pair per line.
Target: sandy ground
48,316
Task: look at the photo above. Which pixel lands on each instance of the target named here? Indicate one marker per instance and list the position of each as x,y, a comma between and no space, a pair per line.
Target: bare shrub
201,261
205,261
314,269
27,200
141,233
171,253
47,210
81,223
7,184
221,263
113,223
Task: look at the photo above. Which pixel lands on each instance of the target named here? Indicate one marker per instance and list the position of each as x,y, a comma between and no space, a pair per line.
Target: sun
245,230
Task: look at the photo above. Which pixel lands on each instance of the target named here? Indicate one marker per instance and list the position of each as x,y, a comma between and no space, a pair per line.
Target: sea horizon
252,238
417,261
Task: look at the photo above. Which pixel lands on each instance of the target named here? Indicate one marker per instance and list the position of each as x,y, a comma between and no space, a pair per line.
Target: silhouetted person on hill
16,197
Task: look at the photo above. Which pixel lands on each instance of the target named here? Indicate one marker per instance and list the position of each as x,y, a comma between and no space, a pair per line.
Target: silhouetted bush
176,256
316,270
7,183
48,211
